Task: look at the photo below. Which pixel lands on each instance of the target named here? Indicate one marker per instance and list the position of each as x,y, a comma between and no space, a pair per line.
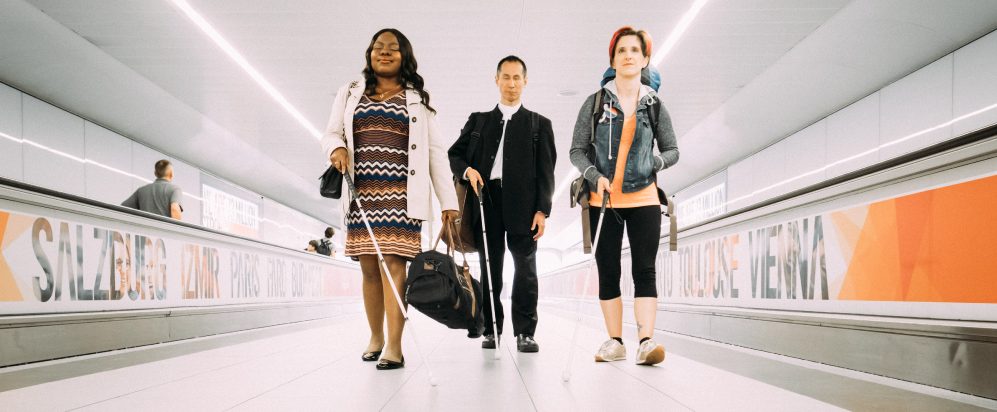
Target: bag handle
449,229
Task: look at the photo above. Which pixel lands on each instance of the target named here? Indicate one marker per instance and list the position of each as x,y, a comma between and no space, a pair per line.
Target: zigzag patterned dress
380,137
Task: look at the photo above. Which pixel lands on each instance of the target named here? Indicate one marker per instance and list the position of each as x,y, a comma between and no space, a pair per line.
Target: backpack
445,292
324,247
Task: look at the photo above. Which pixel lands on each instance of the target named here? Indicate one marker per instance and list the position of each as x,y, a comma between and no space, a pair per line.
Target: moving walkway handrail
127,210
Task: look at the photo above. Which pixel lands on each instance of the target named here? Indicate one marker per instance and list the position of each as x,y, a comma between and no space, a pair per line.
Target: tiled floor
316,366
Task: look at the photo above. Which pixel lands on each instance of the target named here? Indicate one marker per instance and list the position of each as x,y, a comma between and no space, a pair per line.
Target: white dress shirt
507,112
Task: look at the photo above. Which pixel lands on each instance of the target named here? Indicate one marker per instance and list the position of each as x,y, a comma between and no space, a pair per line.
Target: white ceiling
738,52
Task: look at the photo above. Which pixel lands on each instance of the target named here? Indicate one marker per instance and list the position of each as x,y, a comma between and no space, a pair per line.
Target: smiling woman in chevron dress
383,132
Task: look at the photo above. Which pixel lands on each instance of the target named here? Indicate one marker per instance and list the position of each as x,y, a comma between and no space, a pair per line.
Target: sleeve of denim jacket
668,149
580,147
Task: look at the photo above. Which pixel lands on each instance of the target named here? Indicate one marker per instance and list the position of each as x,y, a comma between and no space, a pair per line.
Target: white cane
566,375
492,289
391,281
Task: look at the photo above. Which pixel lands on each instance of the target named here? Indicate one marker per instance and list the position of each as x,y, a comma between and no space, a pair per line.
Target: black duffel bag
445,292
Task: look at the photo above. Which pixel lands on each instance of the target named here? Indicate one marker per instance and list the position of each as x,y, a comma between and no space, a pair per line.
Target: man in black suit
511,151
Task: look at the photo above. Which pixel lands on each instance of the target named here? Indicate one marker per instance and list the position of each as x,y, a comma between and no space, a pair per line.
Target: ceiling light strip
678,31
234,54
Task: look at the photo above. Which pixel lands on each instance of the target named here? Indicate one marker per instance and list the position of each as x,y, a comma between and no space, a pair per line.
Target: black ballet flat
386,364
371,356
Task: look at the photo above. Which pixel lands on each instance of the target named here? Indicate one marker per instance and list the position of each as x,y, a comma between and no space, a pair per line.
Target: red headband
616,35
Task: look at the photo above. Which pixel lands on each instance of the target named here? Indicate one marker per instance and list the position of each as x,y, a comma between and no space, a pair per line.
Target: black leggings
644,231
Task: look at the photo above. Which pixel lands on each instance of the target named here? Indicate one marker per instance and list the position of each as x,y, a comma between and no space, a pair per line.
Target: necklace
381,95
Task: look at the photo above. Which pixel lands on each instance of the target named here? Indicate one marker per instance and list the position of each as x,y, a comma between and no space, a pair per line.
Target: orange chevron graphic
9,291
379,216
374,187
381,149
388,193
384,197
408,246
378,116
386,130
380,168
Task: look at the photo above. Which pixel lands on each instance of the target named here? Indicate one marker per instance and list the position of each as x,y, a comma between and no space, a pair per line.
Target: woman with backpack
383,132
628,122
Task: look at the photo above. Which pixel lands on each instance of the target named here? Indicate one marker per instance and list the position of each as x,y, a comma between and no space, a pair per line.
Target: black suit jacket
527,171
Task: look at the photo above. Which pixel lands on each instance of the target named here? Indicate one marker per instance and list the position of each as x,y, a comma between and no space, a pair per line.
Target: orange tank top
647,196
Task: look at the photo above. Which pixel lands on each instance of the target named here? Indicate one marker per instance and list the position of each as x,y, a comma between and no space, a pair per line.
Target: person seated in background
325,245
161,197
312,246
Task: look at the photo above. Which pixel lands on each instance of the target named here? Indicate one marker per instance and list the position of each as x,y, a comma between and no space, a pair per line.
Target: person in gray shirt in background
159,197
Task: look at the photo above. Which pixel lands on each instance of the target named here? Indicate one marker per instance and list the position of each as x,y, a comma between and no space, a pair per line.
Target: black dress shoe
370,356
386,364
489,342
525,343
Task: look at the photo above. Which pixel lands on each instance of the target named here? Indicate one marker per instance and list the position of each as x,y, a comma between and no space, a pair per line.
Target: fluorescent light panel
678,31
234,54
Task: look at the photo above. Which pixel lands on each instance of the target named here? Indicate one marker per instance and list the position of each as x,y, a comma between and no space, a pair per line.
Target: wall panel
60,168
11,155
853,134
114,151
913,107
806,154
975,85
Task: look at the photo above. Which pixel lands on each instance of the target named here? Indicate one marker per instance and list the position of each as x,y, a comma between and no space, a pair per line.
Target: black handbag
331,183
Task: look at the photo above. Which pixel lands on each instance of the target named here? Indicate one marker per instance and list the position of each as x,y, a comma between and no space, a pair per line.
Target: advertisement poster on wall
927,253
230,209
51,264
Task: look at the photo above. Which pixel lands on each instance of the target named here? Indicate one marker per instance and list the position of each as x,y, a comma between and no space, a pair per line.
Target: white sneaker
611,350
650,353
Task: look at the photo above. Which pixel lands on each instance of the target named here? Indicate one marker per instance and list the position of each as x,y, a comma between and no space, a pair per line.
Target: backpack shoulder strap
535,126
652,115
596,110
479,125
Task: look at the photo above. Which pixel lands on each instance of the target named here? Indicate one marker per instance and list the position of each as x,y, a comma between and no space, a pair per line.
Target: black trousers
643,226
524,258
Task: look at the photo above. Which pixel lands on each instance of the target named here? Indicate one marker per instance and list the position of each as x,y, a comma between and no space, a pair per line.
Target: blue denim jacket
642,163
